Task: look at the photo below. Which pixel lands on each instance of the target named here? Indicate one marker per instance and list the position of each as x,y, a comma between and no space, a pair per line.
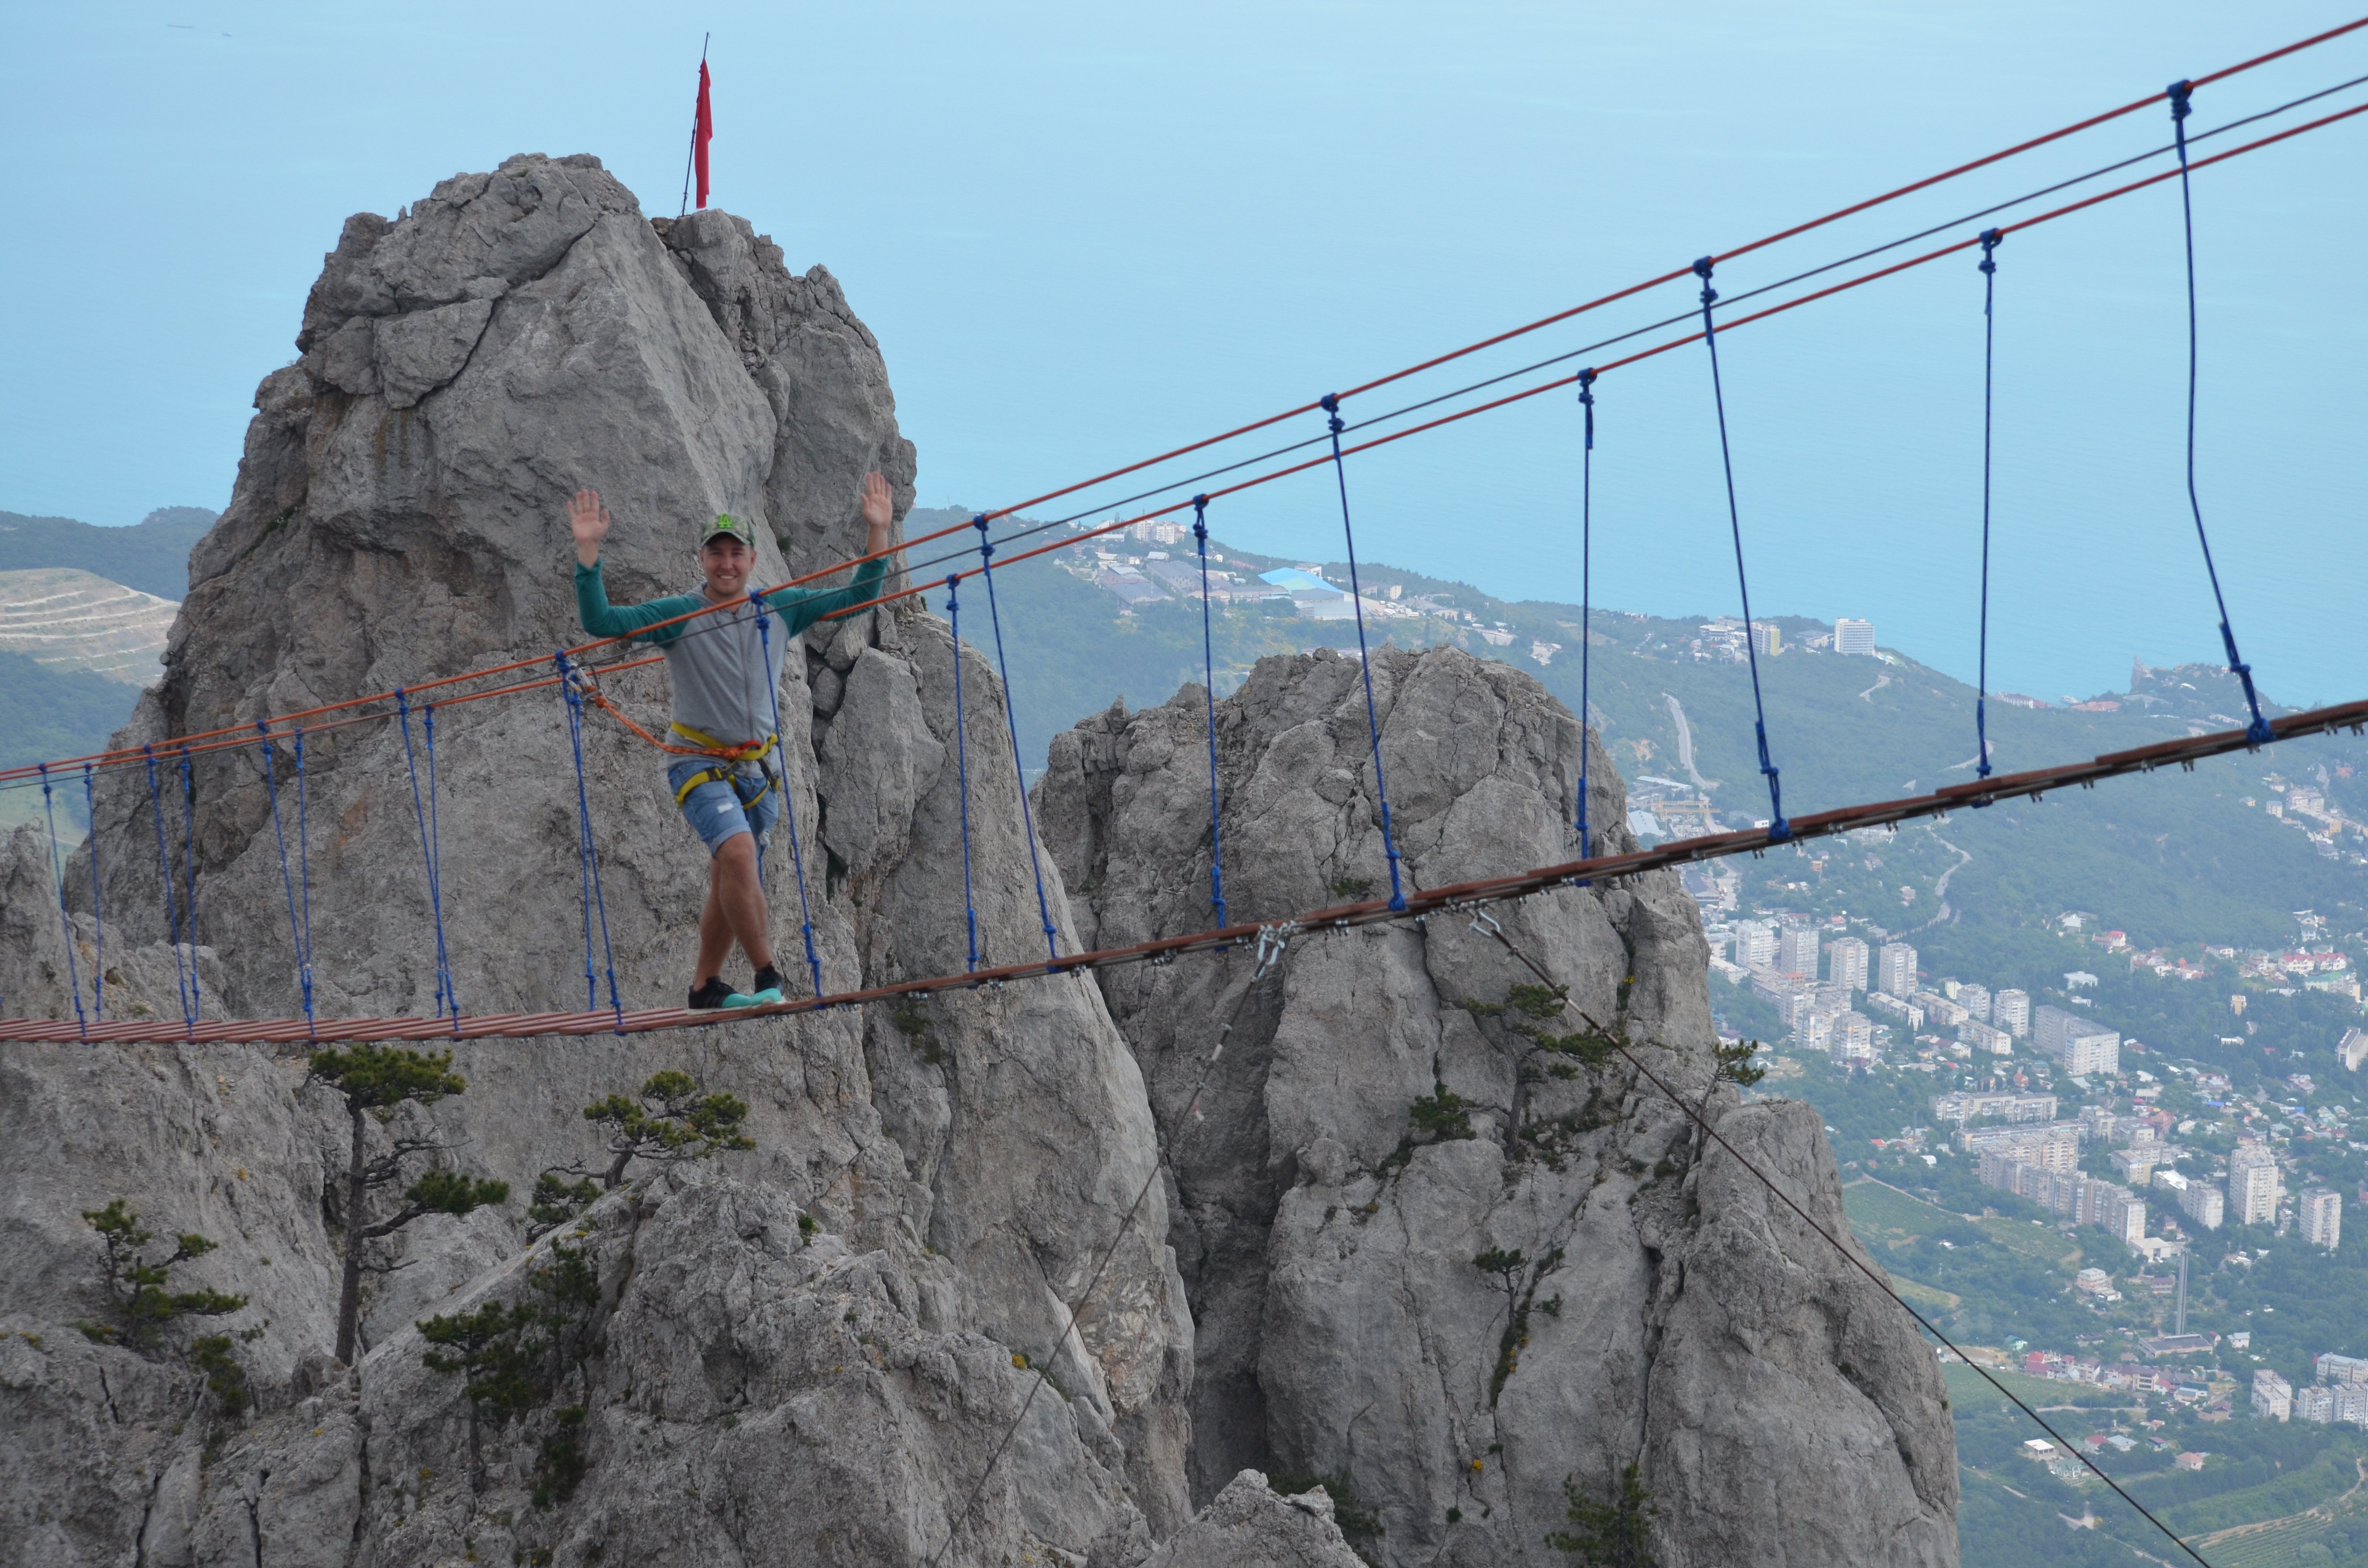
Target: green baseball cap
726,525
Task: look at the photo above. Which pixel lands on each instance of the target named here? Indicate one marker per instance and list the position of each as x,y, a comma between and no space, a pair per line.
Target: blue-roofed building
1292,577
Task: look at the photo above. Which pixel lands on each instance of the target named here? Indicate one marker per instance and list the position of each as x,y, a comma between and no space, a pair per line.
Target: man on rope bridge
725,668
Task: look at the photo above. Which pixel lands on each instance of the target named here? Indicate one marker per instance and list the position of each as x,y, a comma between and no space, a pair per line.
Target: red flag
703,130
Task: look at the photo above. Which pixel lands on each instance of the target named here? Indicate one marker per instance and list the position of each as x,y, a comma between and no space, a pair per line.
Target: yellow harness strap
727,773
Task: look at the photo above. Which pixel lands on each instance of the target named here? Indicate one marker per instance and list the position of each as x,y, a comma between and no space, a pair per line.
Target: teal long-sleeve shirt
724,670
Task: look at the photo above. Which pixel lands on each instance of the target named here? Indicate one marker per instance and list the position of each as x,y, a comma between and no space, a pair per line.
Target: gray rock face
1660,1309
399,517
1247,1525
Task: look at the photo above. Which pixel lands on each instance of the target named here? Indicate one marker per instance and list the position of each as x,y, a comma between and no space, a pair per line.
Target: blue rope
1990,238
165,869
97,912
1779,830
788,807
1331,406
1209,677
2259,731
1011,721
189,868
66,922
588,852
299,938
961,762
1585,600
430,846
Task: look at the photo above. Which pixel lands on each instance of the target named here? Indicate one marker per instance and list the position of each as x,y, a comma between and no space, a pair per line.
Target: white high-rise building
1895,969
2010,1010
1755,943
1975,999
2252,1185
1853,636
1853,1039
2272,1396
1846,959
2202,1202
2322,1216
1796,951
2092,1051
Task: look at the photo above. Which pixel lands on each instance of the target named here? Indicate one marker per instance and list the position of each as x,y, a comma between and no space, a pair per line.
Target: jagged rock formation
810,1352
398,517
1247,1525
1661,1308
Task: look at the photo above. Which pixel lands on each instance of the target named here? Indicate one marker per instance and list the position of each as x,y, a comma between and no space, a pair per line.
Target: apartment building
1961,1105
2322,1216
1895,970
1796,951
1982,1036
2010,1010
1846,960
2080,1045
2253,1186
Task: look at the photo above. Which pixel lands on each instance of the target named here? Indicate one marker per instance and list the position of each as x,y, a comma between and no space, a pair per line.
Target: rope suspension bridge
577,675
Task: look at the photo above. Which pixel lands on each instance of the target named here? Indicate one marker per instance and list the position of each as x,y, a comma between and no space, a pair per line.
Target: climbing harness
1330,403
1011,723
1208,687
299,938
430,848
1779,830
1585,590
961,763
1990,238
66,922
728,772
573,683
2259,731
788,807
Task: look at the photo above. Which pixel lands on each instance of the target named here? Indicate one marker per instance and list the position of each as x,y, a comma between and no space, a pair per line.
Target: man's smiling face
726,562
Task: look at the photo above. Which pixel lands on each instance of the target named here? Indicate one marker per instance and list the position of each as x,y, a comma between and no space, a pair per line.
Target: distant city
1818,981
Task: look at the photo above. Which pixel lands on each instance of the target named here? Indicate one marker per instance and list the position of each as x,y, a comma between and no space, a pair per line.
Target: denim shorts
716,809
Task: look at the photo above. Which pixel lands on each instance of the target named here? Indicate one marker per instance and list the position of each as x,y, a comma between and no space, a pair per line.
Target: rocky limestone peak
399,517
1432,1250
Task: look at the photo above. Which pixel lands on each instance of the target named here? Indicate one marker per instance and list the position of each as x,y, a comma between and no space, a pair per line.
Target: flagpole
692,157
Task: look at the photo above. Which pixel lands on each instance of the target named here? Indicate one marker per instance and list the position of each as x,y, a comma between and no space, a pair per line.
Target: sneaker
710,994
763,992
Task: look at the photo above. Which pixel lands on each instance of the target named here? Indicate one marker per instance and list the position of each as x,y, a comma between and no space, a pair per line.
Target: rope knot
1709,295
1330,403
1991,240
2179,93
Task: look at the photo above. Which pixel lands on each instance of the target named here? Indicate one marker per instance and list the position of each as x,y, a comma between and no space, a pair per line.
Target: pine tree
373,1080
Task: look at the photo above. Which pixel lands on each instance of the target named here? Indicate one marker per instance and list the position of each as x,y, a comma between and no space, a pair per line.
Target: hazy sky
1085,232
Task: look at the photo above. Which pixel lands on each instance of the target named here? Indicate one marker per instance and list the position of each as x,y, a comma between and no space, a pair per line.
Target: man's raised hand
879,510
588,521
